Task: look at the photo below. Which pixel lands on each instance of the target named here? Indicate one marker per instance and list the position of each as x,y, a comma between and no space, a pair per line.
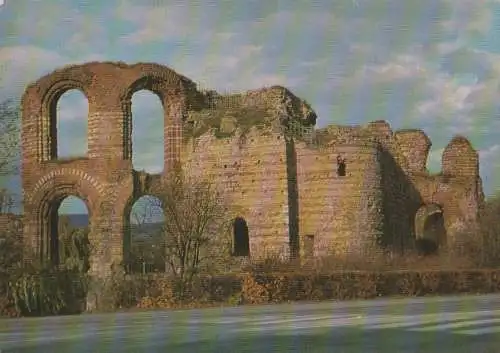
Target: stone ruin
296,188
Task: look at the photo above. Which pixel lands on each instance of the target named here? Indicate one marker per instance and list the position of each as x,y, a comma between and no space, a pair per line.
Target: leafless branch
195,224
9,137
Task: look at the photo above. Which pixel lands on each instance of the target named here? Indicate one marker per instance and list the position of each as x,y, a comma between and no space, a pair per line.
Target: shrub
47,290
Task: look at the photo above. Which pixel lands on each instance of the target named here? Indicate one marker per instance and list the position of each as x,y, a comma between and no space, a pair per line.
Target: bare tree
480,241
9,150
146,245
6,201
9,137
195,228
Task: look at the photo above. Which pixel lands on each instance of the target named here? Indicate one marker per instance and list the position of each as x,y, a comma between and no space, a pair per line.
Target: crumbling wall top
460,158
381,128
345,135
274,106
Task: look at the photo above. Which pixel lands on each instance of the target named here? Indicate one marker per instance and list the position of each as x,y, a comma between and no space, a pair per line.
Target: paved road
444,324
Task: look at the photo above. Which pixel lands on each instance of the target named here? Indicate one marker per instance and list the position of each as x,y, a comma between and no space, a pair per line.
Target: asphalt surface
438,324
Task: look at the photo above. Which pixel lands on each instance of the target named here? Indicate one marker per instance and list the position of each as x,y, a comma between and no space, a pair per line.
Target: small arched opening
144,236
241,241
430,229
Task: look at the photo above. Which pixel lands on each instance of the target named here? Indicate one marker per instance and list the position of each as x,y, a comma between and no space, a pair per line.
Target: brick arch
64,176
39,102
67,77
159,79
44,201
54,92
160,84
124,206
125,196
172,90
429,224
133,199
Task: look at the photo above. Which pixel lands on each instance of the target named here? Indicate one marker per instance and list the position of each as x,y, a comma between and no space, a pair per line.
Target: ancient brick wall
251,168
456,190
339,214
104,178
277,172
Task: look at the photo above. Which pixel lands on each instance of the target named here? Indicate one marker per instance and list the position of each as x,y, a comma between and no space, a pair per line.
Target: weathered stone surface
277,171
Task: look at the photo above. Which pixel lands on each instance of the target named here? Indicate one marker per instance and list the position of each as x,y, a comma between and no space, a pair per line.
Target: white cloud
156,23
489,152
340,46
20,65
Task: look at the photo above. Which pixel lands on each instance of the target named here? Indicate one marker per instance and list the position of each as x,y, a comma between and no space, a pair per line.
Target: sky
427,64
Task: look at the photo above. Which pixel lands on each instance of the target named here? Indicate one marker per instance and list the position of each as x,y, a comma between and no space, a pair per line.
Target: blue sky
429,64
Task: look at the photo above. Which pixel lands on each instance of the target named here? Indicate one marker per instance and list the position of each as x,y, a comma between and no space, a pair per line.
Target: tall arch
70,233
171,90
146,121
49,89
69,124
143,220
43,202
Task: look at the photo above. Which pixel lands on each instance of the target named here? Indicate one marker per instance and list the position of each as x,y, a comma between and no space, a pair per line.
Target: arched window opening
146,247
341,167
147,132
70,126
69,242
241,240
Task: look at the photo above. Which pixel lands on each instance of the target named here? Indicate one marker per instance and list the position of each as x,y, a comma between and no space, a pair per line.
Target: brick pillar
107,251
174,112
109,134
31,235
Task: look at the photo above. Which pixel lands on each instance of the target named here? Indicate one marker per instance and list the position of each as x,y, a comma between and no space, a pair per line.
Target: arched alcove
241,241
430,229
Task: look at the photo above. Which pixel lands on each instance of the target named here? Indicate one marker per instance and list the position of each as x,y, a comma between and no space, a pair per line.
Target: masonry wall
104,178
404,153
252,170
456,190
285,188
341,214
